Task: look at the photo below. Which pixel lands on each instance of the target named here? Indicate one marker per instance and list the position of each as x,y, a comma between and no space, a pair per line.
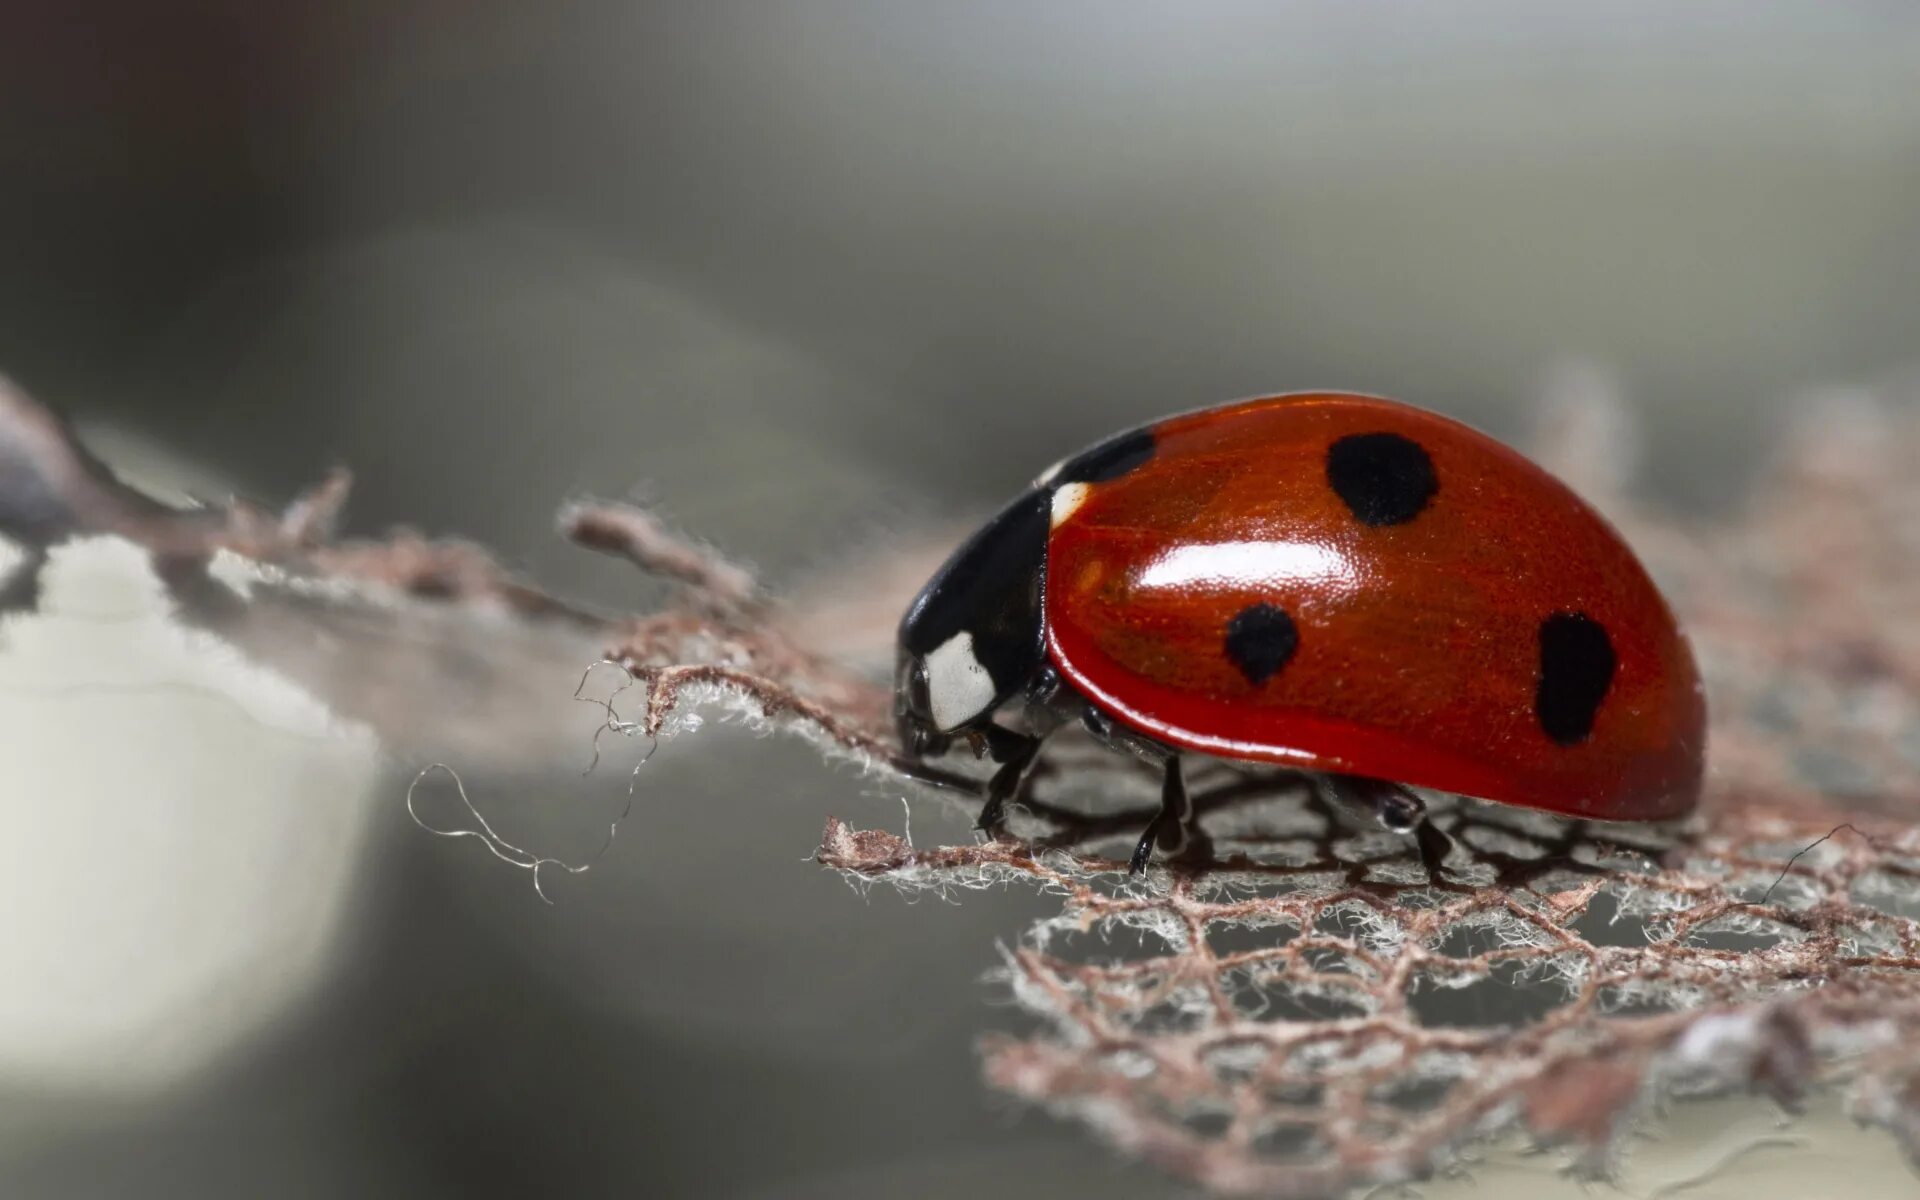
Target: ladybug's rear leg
1396,808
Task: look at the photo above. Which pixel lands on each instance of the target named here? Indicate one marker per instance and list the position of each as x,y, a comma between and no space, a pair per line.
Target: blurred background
811,278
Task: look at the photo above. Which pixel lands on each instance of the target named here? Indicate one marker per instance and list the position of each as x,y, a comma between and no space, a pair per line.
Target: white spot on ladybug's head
1066,499
959,689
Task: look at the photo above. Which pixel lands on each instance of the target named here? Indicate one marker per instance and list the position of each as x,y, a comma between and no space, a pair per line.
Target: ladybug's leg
1434,844
1397,810
1175,817
1016,753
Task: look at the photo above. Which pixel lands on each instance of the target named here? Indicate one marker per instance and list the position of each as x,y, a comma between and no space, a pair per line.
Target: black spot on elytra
1260,640
1385,479
1576,669
1110,459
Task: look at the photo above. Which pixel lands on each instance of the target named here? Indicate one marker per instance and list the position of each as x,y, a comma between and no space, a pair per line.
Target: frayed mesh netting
1318,1016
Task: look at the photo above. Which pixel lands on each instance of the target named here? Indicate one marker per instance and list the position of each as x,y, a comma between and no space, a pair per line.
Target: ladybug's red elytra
1336,583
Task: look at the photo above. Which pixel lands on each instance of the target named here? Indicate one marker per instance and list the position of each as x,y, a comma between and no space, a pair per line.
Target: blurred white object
181,825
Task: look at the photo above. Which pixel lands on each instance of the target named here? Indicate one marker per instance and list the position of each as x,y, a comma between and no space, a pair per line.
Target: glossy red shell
1418,654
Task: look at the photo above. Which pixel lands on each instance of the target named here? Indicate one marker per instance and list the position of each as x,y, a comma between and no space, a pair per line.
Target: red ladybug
1335,583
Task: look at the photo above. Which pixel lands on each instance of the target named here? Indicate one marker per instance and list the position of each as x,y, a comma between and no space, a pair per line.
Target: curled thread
504,850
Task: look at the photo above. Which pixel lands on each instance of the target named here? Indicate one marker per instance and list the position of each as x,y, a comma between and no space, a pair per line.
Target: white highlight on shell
1250,563
1067,498
958,687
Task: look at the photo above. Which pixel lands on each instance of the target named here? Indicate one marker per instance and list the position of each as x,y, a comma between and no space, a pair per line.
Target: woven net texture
1308,1012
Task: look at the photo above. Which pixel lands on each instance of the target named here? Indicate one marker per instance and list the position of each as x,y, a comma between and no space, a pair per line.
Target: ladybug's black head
913,709
973,637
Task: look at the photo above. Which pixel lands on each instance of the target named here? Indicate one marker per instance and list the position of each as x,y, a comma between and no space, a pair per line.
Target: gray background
813,277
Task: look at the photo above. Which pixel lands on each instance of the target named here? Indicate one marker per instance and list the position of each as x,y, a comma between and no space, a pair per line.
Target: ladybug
1339,584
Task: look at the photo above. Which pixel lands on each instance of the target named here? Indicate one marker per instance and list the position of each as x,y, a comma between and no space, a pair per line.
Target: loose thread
1801,853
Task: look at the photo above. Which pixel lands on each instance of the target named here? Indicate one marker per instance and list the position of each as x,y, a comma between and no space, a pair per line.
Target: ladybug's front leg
1016,753
1045,710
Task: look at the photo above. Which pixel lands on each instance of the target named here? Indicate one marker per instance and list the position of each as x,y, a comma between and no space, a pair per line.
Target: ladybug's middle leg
1173,826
